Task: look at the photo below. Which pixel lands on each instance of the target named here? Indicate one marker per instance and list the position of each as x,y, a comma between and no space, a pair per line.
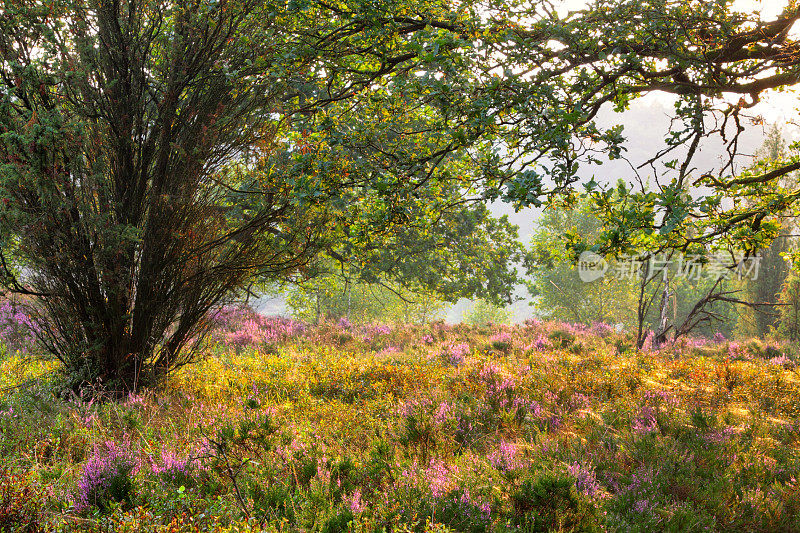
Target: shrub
174,470
551,502
106,478
338,523
502,342
561,337
20,504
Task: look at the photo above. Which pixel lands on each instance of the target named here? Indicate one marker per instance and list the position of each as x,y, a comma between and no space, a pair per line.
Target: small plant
106,478
20,503
551,502
562,337
174,470
502,342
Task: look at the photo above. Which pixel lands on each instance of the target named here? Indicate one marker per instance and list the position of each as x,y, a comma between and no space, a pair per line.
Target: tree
773,267
559,291
482,313
334,296
157,157
561,70
628,292
790,307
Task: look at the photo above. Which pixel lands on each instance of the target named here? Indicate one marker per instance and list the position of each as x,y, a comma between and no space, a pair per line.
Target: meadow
542,426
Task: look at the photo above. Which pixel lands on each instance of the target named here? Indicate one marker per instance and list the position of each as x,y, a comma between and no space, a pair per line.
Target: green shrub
561,338
550,502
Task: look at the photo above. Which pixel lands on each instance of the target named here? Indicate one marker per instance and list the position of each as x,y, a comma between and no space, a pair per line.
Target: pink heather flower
501,337
456,353
440,477
721,436
641,506
134,399
18,329
645,422
248,334
370,332
241,326
443,413
780,361
579,401
656,398
530,407
601,329
585,479
323,473
642,480
489,372
648,342
109,464
354,502
171,466
541,343
506,457
736,350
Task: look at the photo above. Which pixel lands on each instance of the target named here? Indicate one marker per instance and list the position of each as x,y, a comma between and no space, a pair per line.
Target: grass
538,427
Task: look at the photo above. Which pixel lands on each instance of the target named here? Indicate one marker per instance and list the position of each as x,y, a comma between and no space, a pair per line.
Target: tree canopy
156,157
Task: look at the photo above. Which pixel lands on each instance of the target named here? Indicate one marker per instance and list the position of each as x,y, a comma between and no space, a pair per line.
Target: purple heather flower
440,477
456,353
641,506
585,479
108,464
645,423
506,457
354,502
601,329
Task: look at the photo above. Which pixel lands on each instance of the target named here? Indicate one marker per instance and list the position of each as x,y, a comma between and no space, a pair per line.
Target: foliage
789,298
20,502
333,297
158,158
773,265
106,478
562,69
561,294
549,500
482,313
558,291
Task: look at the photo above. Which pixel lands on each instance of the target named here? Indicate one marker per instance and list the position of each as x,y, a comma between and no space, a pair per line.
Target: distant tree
789,324
334,296
773,264
630,292
482,313
554,282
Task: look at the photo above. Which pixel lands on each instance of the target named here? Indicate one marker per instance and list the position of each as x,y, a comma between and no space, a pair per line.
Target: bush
550,502
562,337
20,504
106,478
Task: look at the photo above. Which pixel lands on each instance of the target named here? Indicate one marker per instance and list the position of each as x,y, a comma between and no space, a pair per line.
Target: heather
542,426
